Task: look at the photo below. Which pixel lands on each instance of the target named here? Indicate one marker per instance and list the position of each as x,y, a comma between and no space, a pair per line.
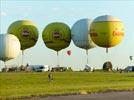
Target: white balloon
80,34
9,47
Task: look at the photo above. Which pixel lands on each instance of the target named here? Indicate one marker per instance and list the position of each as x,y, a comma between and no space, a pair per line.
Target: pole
22,57
5,64
109,69
87,55
106,50
131,59
107,58
58,64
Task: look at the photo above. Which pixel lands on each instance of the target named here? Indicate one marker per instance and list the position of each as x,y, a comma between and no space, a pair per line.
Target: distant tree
107,66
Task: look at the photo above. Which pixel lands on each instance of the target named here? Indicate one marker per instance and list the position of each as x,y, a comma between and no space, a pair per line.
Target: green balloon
26,31
57,36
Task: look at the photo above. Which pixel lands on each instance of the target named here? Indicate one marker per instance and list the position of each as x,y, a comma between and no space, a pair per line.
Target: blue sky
69,11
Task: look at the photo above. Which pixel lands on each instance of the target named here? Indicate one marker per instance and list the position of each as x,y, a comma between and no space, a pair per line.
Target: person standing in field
50,76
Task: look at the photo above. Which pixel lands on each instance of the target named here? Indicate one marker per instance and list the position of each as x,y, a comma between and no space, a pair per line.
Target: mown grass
27,84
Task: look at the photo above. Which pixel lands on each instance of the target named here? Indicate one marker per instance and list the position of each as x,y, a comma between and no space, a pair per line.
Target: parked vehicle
38,68
59,69
129,69
88,68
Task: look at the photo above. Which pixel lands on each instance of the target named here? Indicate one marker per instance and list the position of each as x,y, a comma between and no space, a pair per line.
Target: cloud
3,13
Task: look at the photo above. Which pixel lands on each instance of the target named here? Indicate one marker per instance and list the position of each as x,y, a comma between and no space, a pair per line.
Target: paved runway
96,96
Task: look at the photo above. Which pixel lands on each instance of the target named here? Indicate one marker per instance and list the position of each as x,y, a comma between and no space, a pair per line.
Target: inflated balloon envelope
9,47
56,36
107,31
26,31
80,35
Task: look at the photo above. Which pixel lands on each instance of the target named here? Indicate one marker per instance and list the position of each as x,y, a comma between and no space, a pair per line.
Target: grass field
27,84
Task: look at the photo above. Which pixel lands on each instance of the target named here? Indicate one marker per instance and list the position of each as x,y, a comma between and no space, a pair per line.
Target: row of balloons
105,31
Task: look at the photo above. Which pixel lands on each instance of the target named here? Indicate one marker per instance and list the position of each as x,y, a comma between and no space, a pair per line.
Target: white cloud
3,13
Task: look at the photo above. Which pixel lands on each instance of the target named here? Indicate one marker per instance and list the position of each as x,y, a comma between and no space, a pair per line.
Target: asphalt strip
123,95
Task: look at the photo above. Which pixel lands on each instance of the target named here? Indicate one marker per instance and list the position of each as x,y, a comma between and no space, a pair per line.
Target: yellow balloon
26,31
107,31
57,36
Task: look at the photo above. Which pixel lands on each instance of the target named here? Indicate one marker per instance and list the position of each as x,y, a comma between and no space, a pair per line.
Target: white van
38,68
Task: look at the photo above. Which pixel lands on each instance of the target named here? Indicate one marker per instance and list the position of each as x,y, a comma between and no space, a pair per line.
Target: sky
43,12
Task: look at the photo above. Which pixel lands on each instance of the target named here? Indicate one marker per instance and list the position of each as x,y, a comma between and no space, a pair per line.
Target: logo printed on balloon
56,34
25,32
118,33
94,34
